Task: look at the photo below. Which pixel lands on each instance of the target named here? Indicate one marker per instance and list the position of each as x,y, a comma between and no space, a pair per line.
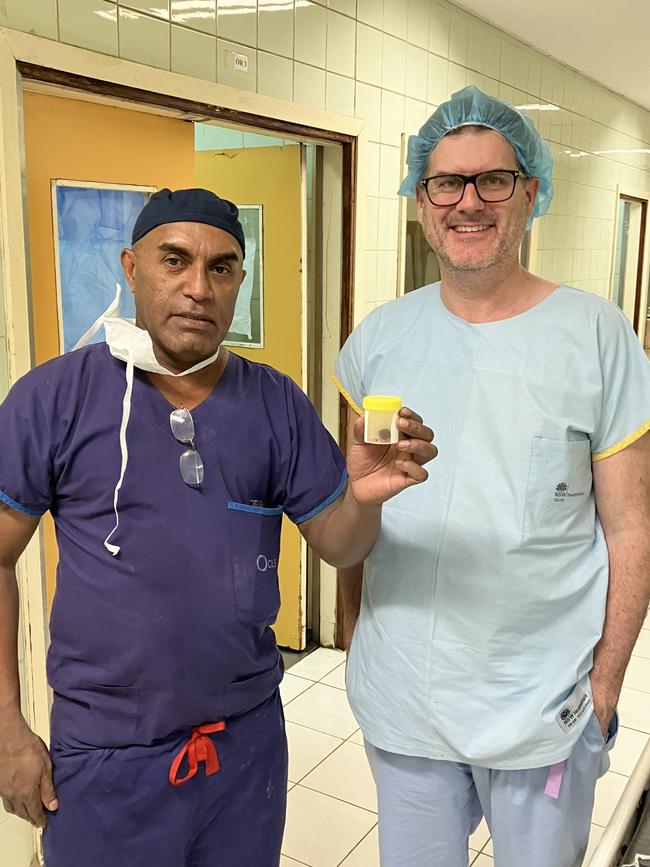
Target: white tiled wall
388,62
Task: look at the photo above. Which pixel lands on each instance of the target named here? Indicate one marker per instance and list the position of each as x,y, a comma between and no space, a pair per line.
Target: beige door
271,177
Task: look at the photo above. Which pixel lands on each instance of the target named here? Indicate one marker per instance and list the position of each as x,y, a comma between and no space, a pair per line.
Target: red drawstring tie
199,748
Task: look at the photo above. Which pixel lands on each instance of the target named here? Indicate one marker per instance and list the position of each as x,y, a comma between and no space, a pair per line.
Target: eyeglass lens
182,425
191,468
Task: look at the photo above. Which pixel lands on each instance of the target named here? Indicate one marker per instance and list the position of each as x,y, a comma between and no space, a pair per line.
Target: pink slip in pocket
554,781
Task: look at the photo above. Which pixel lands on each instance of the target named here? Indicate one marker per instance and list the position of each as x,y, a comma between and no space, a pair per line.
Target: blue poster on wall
93,224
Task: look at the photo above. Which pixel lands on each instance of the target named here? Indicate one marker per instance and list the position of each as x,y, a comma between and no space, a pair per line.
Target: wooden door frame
86,75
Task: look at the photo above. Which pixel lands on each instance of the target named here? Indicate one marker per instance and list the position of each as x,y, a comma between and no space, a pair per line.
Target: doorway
629,283
91,148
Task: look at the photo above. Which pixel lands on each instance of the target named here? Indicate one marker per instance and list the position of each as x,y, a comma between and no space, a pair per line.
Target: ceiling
607,41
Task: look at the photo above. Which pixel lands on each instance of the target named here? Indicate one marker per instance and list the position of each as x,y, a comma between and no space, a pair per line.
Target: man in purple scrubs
167,463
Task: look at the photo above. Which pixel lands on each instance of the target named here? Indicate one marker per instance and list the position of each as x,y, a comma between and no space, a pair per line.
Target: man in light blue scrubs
503,599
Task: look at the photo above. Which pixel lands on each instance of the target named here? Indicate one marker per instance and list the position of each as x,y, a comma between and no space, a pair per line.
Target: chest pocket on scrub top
254,533
558,505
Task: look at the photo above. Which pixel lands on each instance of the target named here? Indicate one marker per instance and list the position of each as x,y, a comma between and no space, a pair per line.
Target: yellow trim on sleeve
346,394
607,453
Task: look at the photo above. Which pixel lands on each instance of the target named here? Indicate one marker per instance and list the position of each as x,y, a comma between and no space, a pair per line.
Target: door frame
641,299
85,75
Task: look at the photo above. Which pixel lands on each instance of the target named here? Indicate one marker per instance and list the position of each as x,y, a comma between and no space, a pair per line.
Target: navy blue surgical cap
189,206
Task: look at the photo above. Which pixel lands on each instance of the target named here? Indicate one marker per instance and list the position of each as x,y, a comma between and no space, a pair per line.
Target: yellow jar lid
382,402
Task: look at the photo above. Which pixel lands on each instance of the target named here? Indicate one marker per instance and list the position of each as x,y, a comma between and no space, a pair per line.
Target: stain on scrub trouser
428,808
118,808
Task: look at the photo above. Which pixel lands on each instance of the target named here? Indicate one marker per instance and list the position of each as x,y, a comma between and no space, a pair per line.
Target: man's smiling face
474,235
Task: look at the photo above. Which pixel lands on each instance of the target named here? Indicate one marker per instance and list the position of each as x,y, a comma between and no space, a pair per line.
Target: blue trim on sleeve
14,505
256,510
328,502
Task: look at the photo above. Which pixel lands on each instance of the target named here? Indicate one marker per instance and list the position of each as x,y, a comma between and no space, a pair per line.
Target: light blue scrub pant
428,808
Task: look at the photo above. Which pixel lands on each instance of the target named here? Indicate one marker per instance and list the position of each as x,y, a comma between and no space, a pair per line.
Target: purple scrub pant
117,807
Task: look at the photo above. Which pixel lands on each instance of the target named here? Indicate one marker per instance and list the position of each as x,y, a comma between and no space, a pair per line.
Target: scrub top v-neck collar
222,387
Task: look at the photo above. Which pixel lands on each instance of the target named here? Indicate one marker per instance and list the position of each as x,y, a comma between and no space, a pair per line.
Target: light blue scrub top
485,594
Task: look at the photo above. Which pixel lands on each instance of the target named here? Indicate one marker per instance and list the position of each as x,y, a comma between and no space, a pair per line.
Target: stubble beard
507,248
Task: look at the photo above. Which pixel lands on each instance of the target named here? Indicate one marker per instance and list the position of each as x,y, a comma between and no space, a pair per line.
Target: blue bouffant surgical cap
189,206
472,106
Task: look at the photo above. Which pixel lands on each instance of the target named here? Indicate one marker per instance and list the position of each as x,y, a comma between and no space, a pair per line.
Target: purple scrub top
175,631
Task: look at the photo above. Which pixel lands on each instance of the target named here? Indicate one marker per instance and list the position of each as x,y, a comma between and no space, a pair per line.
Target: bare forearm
627,604
350,583
9,680
347,531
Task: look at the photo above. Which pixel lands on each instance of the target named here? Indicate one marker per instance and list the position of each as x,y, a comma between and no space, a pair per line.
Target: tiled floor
332,808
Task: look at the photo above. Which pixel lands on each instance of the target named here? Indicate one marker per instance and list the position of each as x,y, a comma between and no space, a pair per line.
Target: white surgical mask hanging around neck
133,345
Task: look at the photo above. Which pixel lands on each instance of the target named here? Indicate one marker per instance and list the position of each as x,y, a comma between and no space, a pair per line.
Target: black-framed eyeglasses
191,465
496,186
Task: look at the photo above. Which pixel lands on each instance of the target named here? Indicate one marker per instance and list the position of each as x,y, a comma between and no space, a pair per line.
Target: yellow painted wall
74,140
271,177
